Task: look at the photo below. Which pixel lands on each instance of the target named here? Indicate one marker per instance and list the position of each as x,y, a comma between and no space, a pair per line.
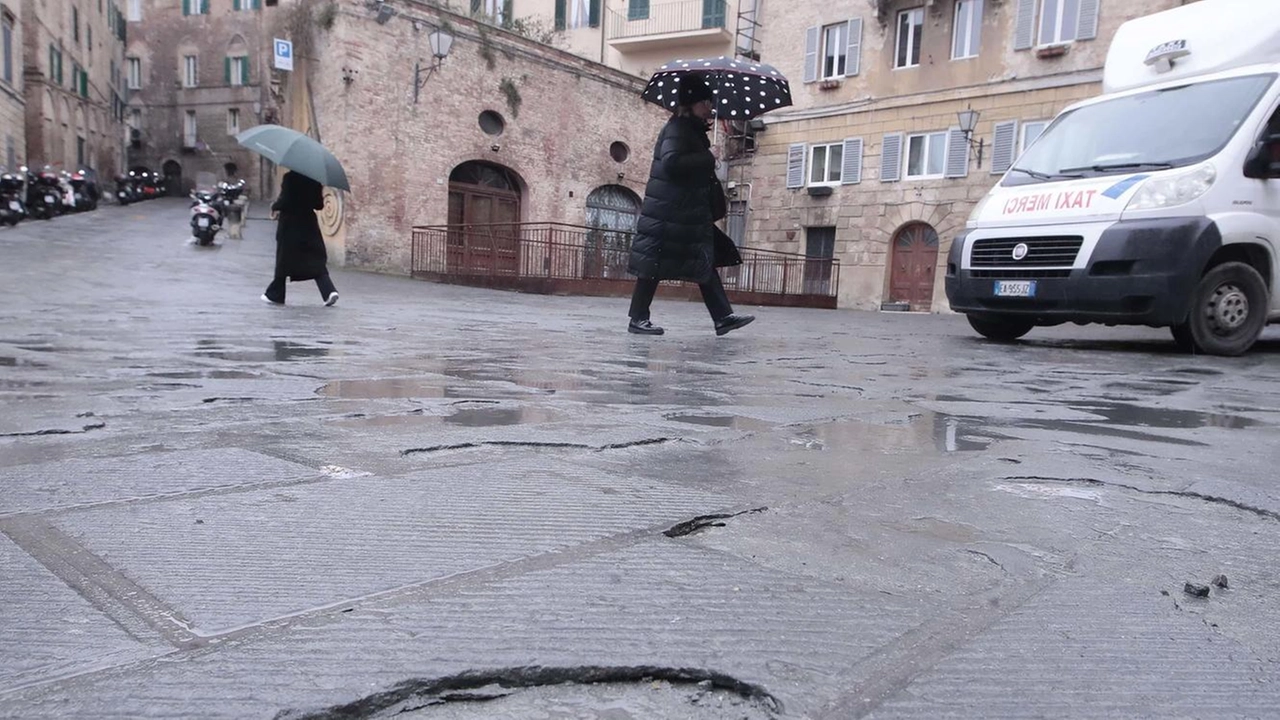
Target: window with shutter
1088,20
593,18
795,165
811,38
1024,28
851,173
891,158
826,162
226,70
854,51
561,7
957,154
1003,146
967,29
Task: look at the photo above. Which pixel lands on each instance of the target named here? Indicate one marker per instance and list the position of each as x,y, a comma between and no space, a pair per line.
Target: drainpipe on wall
604,28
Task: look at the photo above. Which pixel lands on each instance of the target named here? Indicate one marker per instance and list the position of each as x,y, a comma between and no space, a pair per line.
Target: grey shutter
1024,33
811,54
853,58
1088,27
851,170
891,158
1003,146
795,165
957,154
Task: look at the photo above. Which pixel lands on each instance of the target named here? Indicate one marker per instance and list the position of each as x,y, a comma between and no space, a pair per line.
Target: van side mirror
1262,163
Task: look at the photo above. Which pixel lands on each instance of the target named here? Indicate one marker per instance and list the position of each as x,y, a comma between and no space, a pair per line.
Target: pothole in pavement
565,693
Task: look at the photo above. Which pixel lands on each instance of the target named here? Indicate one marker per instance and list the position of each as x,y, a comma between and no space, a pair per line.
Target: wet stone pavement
443,502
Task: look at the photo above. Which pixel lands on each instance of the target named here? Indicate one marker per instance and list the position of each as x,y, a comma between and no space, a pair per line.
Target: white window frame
134,10
972,40
233,121
1023,143
190,71
134,72
1059,19
826,164
912,48
841,64
930,138
190,129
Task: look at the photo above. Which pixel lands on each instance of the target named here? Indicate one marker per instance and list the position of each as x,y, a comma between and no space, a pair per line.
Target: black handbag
725,252
719,202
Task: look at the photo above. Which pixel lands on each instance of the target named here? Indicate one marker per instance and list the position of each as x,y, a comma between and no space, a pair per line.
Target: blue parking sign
283,54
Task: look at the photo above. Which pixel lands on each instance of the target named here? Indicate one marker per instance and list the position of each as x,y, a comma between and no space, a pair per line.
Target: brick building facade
197,73
871,166
504,129
74,50
13,103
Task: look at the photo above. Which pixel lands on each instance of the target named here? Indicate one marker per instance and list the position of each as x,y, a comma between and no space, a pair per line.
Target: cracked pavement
445,502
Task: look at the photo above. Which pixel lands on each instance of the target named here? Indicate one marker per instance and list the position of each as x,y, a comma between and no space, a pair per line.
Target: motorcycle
206,221
43,194
13,207
84,190
126,193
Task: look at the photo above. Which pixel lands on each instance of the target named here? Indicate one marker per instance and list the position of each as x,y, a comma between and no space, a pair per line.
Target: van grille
1032,274
1053,251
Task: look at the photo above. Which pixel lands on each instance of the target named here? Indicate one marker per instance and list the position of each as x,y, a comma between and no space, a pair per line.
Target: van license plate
1015,288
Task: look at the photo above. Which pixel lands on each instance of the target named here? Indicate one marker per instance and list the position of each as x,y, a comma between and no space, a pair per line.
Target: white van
1157,203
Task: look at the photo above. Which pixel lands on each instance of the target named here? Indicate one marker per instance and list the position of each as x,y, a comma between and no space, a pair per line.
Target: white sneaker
269,301
333,298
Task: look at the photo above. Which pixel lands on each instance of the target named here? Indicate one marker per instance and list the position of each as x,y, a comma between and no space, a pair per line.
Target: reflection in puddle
735,422
17,362
206,374
925,431
488,417
382,389
281,351
1119,414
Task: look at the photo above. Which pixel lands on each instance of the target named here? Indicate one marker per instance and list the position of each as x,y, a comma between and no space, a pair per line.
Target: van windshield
1154,130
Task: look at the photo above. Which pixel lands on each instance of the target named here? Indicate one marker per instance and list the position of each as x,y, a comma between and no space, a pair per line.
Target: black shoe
644,327
730,323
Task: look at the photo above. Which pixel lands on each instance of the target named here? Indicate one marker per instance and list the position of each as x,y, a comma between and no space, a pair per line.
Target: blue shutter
851,171
561,10
957,154
795,165
1088,27
853,58
891,158
1024,33
1003,146
811,54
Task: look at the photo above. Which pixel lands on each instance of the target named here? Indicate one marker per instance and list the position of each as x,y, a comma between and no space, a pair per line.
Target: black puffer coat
674,236
300,253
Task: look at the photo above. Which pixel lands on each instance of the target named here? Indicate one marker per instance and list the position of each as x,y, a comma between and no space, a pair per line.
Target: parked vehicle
206,221
44,194
1157,203
13,196
84,190
126,191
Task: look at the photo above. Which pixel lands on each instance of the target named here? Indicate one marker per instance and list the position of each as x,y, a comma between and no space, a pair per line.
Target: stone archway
484,217
913,261
172,170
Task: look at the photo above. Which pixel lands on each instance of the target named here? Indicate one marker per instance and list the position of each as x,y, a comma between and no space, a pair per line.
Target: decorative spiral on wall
333,213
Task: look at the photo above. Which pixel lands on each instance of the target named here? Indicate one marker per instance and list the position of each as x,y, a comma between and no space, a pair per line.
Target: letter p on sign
283,54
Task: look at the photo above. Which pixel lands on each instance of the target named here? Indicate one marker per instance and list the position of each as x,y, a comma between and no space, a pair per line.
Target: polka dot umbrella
743,89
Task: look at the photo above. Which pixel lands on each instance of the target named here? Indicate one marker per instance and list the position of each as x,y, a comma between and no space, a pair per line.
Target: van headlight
977,211
1174,190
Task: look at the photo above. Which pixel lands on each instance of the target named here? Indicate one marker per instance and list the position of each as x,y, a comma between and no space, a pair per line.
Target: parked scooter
84,191
126,192
13,195
206,221
44,192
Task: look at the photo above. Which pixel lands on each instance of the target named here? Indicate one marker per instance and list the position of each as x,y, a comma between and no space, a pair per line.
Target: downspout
604,28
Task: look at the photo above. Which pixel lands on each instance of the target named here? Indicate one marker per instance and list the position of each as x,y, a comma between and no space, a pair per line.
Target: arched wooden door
484,217
914,260
612,212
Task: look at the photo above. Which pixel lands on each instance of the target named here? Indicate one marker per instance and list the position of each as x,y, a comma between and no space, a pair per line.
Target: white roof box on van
1203,37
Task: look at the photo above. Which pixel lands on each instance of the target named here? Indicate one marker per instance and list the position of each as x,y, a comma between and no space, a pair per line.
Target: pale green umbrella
298,152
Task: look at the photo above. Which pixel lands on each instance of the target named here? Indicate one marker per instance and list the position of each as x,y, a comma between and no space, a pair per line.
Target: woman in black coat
300,253
675,236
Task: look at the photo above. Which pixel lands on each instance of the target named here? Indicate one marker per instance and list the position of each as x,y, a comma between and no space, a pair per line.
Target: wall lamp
441,42
968,122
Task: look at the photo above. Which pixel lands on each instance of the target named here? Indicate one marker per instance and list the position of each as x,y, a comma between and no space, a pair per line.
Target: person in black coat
300,253
675,236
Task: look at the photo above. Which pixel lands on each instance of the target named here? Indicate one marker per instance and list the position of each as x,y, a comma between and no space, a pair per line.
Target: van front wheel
1229,309
1004,328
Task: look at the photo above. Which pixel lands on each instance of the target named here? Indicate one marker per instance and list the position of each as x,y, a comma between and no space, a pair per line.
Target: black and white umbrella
742,89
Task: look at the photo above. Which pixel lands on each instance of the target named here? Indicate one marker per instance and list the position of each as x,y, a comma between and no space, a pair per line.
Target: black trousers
275,291
713,296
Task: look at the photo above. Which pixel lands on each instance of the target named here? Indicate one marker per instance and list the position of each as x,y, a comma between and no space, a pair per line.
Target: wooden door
484,235
914,260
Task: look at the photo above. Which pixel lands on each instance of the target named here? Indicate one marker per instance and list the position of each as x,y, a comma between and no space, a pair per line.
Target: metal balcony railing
668,18
557,258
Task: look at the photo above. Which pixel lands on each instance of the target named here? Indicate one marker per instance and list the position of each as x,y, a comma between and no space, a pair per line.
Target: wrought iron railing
574,259
668,17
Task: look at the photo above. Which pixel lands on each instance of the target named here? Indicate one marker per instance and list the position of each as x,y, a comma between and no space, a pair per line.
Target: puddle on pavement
207,375
925,431
493,417
383,389
1118,414
19,362
280,351
735,422
1030,490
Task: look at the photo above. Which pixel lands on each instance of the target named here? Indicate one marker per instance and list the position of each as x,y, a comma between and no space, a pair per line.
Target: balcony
560,259
670,25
